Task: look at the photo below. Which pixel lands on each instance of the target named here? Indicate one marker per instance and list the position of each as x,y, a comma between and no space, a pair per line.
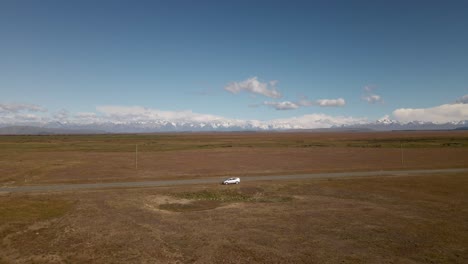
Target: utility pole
136,157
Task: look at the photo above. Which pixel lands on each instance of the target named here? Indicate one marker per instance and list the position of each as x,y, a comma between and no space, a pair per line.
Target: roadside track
90,186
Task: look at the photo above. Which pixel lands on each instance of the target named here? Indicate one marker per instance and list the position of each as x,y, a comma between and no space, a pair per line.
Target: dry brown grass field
392,219
404,219
103,158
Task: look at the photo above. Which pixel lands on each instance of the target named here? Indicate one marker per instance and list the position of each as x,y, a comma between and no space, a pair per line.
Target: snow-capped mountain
161,125
388,124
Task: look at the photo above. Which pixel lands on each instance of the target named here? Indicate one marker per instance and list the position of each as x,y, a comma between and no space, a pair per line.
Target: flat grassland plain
392,219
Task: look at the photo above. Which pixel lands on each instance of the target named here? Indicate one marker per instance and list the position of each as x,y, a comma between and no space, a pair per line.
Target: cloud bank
125,114
16,108
14,112
439,114
317,121
130,117
114,115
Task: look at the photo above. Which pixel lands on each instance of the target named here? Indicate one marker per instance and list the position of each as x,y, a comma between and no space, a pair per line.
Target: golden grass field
392,219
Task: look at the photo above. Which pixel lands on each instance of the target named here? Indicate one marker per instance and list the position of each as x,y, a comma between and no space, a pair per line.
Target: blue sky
369,59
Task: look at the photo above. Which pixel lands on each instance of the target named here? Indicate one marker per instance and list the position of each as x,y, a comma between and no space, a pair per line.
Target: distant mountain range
387,124
33,130
193,126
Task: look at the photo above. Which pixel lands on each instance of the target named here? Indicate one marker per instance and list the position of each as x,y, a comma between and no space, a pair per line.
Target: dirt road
68,187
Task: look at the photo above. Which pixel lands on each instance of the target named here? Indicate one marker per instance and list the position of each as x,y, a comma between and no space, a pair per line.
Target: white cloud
15,108
286,105
12,113
369,88
462,100
62,115
143,114
315,121
253,85
108,115
85,118
369,95
322,102
304,102
331,102
439,114
372,98
22,118
85,115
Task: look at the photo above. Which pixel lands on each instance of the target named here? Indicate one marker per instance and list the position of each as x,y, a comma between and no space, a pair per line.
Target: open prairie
108,158
403,219
391,219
